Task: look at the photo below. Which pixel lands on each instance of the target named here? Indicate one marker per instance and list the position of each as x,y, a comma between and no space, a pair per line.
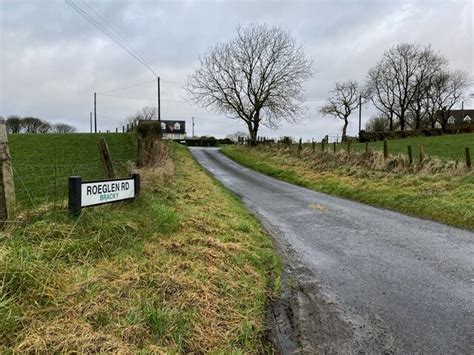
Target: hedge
380,136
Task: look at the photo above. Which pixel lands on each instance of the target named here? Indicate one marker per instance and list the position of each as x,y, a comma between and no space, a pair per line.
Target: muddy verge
305,320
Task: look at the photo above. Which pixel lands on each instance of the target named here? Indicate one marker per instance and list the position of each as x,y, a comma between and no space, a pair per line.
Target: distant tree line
17,124
412,87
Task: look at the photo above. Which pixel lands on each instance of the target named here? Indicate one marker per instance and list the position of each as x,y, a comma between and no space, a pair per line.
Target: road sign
93,193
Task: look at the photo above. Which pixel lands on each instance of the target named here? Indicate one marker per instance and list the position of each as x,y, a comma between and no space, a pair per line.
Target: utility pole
192,118
462,114
159,103
90,120
360,114
95,113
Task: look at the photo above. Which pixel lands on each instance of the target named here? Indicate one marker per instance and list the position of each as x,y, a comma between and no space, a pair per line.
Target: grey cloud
52,59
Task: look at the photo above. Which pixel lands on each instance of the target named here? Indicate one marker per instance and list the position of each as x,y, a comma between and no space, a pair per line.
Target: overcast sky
52,59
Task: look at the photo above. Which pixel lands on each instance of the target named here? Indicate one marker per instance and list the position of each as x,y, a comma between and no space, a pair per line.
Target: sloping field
43,162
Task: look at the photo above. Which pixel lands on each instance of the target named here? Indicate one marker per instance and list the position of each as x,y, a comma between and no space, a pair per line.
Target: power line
141,98
112,34
127,87
128,97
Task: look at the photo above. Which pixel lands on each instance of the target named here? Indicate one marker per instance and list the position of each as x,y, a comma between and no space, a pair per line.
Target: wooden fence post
106,158
314,145
385,148
422,154
410,155
322,145
7,187
300,145
467,150
334,146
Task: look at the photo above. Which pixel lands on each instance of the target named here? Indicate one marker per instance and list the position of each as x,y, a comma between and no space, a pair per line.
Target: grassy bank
43,162
440,191
182,268
447,147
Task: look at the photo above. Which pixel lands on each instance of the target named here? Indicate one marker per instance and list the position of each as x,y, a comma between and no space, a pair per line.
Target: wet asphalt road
412,275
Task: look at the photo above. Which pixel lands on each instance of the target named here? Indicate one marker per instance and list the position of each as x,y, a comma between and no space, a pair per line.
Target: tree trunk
344,129
402,121
391,122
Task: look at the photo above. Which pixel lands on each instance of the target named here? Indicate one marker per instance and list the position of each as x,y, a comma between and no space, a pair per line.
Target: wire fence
38,184
41,166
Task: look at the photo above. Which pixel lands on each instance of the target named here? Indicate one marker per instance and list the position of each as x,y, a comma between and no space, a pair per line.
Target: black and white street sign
93,193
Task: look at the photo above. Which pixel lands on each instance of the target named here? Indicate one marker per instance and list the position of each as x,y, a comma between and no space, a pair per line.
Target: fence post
385,148
410,155
7,187
314,145
467,150
334,146
74,195
106,158
123,129
300,145
422,154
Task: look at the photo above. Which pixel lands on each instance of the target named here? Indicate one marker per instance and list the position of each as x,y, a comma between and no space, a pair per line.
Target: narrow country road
366,279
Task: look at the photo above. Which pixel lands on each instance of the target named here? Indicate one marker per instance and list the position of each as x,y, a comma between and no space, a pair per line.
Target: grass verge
442,193
182,268
446,147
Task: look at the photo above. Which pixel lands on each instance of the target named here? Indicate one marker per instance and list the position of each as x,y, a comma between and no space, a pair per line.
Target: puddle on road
318,207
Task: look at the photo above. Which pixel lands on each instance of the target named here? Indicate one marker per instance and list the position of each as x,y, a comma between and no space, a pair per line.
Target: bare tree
64,128
398,82
147,113
256,77
445,90
45,127
380,90
13,124
31,124
343,100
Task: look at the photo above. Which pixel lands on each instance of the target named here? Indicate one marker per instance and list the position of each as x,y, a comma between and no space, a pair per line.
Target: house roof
460,114
171,126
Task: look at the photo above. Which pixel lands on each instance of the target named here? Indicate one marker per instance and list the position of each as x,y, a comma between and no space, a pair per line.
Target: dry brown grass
193,277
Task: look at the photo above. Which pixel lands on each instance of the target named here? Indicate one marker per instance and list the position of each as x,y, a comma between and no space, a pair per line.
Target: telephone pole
95,113
192,118
90,121
360,114
159,103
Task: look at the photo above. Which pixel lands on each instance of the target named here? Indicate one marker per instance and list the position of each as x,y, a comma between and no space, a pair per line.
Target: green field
43,162
448,147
